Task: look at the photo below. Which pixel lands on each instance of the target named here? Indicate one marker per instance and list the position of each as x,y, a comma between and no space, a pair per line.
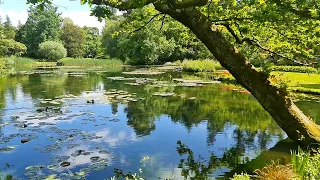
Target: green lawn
300,82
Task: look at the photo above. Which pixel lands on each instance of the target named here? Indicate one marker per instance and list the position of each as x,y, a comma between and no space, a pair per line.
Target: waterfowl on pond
90,102
42,109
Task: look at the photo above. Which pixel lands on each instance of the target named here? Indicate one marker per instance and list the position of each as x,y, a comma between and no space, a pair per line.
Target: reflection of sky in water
111,133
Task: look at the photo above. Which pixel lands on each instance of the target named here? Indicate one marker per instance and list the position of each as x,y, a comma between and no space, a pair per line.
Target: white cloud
81,18
15,16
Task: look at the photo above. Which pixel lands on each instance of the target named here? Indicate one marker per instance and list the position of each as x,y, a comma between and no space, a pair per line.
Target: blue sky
80,14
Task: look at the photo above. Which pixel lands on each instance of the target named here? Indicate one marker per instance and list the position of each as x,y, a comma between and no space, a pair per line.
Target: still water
89,125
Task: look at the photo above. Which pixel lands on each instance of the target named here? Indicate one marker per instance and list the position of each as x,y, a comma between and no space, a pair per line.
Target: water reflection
126,122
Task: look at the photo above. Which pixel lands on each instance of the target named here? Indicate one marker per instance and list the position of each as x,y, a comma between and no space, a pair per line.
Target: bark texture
274,100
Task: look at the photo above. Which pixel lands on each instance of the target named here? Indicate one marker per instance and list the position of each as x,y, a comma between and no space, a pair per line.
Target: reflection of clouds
116,138
83,159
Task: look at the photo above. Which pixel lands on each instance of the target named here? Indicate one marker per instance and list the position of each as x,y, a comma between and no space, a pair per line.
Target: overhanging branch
305,13
122,5
182,4
153,17
257,44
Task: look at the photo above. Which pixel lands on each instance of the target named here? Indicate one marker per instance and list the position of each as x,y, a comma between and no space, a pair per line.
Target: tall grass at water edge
206,65
87,62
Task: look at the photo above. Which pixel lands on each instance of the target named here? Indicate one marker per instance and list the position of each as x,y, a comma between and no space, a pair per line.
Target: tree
8,29
92,48
159,42
41,26
73,38
197,16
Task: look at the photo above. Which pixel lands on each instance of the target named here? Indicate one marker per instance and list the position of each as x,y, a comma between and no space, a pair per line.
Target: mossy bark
274,100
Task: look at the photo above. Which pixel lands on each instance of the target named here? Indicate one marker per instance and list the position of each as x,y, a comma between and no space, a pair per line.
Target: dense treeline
145,36
46,35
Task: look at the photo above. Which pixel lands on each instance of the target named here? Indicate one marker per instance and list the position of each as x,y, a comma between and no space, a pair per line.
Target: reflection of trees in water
197,167
219,108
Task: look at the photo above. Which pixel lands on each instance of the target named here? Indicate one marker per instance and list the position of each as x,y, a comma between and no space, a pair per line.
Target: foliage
241,176
92,47
128,39
8,30
9,47
306,165
301,69
73,38
200,65
52,51
87,62
275,171
41,26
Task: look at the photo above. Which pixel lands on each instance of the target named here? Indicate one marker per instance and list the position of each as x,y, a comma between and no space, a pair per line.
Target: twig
146,23
257,44
162,23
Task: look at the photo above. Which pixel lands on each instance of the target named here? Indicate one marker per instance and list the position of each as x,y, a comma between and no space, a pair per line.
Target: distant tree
9,31
92,47
73,38
52,51
41,26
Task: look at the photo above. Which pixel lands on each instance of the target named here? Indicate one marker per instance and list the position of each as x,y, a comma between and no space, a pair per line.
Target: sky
80,14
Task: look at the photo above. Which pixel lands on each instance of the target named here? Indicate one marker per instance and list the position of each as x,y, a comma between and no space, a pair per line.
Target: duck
42,109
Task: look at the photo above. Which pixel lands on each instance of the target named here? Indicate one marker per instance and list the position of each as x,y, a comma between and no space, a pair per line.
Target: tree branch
183,4
255,42
163,18
122,5
306,13
153,17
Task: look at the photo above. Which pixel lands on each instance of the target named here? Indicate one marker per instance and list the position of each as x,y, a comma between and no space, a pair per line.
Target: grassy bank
206,65
86,62
298,82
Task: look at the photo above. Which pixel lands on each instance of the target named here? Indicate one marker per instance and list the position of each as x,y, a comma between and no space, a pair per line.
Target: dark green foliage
301,69
92,47
9,47
52,51
73,38
41,26
158,42
9,31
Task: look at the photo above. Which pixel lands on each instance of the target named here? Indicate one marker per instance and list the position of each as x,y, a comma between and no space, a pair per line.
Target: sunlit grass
87,62
299,82
206,65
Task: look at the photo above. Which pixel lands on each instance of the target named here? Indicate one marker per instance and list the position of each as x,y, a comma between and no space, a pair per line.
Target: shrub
200,65
275,171
10,47
52,51
301,69
241,176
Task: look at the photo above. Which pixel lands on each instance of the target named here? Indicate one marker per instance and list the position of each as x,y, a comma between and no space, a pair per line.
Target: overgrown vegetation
301,69
87,62
206,65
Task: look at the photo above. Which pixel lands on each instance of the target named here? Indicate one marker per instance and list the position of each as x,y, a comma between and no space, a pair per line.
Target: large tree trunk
274,100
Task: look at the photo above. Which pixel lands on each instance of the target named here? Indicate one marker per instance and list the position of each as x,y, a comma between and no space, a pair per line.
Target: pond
98,124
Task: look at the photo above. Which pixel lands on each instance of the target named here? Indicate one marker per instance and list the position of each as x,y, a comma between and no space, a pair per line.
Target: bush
301,69
200,65
10,47
241,176
52,51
